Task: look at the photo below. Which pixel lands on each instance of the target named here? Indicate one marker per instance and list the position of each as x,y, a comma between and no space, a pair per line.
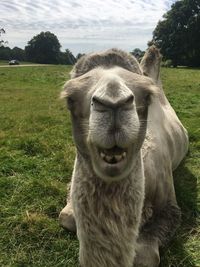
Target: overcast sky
83,25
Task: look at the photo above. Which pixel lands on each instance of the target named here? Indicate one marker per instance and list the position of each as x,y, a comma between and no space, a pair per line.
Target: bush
167,63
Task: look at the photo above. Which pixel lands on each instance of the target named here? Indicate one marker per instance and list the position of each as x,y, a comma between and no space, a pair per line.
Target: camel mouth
113,155
111,164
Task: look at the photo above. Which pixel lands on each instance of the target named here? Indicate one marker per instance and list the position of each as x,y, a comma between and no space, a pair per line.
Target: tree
2,42
70,57
138,53
43,48
18,53
178,34
5,53
79,55
67,58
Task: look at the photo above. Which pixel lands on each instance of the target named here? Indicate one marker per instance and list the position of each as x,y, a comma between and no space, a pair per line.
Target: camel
128,140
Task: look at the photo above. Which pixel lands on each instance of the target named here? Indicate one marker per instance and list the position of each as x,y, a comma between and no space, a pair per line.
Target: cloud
83,21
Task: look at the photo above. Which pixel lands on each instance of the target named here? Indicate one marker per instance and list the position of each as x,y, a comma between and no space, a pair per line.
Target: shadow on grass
176,255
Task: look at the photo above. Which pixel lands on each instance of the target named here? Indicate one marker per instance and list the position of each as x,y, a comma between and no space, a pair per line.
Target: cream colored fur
122,215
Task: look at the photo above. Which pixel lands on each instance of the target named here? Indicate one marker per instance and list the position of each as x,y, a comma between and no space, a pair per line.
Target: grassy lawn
37,154
3,62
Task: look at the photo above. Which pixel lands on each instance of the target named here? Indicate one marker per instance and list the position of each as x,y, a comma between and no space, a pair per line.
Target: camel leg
156,233
66,218
147,253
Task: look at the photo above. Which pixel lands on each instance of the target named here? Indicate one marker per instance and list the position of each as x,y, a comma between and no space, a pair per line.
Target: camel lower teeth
109,158
118,158
102,155
113,158
124,154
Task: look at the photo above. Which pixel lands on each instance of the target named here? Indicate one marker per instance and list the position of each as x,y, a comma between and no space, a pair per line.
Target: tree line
45,48
42,48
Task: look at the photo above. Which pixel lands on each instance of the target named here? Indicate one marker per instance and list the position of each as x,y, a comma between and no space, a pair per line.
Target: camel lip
111,166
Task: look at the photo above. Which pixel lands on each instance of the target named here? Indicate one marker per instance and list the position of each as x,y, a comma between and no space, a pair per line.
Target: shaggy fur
102,211
123,212
107,59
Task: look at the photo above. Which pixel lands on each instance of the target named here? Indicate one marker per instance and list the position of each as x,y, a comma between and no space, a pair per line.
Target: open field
3,62
37,154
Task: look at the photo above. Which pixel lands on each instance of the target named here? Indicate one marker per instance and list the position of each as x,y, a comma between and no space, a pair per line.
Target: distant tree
67,58
2,42
18,53
71,58
5,53
138,53
43,48
178,34
79,55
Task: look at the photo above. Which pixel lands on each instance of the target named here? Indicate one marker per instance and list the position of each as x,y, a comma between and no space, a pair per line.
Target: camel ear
150,64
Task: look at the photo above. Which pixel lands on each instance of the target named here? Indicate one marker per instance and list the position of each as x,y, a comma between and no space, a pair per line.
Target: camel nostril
108,102
98,104
129,100
96,100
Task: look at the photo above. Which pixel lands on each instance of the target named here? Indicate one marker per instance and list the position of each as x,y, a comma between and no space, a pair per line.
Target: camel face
109,117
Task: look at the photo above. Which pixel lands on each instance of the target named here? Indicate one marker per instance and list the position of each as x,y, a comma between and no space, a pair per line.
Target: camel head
108,97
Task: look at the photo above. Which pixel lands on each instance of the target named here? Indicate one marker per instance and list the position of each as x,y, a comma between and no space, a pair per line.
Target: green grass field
37,154
3,62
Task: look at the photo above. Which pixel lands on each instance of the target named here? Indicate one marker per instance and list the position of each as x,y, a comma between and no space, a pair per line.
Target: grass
3,62
37,154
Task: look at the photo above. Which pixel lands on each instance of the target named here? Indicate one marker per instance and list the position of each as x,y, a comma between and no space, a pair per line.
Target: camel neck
107,216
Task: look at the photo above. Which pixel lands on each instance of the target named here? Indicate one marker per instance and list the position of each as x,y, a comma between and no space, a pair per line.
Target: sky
83,25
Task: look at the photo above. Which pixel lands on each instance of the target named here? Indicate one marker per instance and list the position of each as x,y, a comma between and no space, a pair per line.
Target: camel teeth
108,158
102,155
124,154
118,158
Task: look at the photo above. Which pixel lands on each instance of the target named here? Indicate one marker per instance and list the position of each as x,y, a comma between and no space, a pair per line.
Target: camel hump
110,58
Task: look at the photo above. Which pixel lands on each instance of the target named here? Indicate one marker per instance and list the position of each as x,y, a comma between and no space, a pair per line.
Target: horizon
83,26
